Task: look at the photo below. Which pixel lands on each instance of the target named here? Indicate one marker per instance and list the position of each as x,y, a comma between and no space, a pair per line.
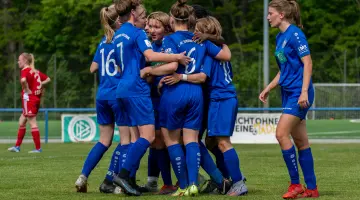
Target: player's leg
33,108
299,135
212,145
141,114
105,119
21,134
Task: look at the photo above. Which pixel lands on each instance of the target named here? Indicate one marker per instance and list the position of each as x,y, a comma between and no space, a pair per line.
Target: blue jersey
291,46
157,47
220,76
109,75
181,41
130,43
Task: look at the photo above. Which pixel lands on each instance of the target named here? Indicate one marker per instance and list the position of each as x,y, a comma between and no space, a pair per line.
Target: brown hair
209,25
290,8
163,18
124,7
30,60
108,18
183,13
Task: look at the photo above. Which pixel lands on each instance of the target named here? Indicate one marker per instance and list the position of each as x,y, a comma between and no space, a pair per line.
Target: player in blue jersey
133,93
181,105
295,68
158,159
222,106
106,106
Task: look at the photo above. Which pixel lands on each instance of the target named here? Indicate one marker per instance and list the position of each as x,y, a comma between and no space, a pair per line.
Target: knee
282,136
106,141
301,144
224,145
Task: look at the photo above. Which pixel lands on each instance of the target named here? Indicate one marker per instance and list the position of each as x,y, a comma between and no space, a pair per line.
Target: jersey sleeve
43,76
23,73
169,46
299,43
211,49
206,67
142,41
97,56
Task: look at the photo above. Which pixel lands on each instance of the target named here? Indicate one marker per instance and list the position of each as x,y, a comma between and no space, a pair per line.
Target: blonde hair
290,8
108,18
124,7
209,25
183,13
30,60
163,18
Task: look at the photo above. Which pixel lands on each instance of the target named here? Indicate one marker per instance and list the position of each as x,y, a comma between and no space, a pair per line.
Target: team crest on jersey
148,43
280,57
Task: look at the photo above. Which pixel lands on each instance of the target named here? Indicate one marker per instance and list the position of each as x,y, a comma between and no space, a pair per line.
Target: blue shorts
181,108
109,112
222,117
290,103
156,104
138,109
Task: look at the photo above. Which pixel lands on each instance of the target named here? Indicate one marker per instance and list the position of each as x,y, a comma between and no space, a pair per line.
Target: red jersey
33,78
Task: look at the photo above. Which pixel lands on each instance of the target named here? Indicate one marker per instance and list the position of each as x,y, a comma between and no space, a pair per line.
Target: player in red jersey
32,81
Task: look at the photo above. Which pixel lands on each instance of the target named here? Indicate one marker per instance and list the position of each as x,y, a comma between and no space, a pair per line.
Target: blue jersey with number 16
130,43
109,75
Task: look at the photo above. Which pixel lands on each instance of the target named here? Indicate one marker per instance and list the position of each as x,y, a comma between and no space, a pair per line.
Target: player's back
34,79
130,59
108,71
219,84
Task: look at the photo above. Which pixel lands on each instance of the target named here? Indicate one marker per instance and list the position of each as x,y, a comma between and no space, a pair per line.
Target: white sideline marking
333,132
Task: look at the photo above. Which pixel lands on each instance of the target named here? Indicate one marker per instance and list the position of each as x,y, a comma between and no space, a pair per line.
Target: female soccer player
32,82
158,160
107,109
181,105
293,57
133,93
222,108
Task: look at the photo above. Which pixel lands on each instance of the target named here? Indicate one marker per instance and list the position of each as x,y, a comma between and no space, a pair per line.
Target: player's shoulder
295,31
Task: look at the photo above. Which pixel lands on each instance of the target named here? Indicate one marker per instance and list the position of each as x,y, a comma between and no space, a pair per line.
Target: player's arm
94,67
201,37
25,85
152,56
192,78
46,81
223,54
44,78
307,72
274,82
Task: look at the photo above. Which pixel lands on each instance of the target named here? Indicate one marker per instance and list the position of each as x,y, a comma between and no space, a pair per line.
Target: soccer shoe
109,188
166,189
238,189
192,191
310,193
179,192
14,149
126,186
208,187
293,191
81,184
151,186
201,179
35,151
226,186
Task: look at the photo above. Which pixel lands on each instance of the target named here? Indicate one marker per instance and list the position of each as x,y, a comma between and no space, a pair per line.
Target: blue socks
135,153
163,162
153,167
93,158
208,164
291,163
114,164
220,161
178,162
232,163
307,165
193,158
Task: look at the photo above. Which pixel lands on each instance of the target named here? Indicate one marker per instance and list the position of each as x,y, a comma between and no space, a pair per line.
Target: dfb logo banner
82,128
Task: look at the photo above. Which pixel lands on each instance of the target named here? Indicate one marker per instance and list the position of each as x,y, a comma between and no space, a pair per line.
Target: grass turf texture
322,129
52,174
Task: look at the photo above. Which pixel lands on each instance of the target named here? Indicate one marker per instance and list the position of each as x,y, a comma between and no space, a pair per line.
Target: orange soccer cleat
293,191
310,193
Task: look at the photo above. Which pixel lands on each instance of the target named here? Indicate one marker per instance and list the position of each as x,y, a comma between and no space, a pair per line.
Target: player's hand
264,95
172,79
28,91
145,72
303,100
200,37
182,59
161,82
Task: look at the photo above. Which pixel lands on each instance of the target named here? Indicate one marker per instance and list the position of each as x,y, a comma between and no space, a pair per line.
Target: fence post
46,126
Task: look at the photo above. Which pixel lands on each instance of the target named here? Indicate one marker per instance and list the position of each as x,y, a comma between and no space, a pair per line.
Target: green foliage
71,30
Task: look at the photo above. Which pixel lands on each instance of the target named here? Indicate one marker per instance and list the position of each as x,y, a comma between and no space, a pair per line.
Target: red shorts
30,107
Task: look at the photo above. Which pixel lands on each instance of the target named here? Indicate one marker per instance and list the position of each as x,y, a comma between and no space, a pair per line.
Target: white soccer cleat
14,149
81,184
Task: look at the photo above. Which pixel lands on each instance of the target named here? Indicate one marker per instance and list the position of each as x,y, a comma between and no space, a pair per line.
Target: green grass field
324,129
51,174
